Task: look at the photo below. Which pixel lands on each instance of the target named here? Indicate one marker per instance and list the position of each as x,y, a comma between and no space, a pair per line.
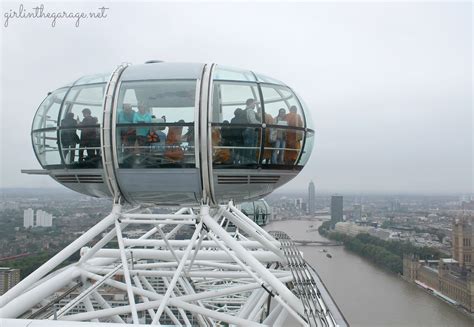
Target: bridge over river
317,243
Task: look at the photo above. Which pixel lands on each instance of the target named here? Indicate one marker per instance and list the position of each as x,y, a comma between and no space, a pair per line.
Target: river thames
368,295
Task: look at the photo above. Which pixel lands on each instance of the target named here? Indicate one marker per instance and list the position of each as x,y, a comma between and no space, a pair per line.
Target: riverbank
386,254
432,292
366,294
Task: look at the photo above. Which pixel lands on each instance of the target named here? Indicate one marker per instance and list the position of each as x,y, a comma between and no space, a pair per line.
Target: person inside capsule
293,137
236,136
142,117
269,142
90,141
174,152
128,134
279,136
69,137
251,133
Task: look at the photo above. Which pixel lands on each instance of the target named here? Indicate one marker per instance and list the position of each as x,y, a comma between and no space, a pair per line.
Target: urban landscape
36,224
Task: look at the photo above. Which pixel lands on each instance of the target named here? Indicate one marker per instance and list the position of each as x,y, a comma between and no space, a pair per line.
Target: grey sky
389,85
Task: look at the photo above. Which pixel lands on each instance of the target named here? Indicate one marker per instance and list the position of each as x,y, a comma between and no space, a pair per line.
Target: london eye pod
259,211
173,134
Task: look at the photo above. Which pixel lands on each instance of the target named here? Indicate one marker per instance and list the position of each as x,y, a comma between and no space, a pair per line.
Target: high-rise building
337,206
28,218
39,218
311,198
8,278
44,219
463,241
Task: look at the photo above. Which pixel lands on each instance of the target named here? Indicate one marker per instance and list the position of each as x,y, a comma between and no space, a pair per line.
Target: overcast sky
389,85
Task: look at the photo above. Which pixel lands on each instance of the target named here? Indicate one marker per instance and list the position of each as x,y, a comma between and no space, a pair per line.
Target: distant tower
28,218
311,198
336,209
463,241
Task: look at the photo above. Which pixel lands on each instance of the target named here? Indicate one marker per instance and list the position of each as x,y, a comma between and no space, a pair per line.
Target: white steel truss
223,270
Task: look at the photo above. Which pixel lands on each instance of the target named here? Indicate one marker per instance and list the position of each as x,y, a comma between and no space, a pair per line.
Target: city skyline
422,221
379,97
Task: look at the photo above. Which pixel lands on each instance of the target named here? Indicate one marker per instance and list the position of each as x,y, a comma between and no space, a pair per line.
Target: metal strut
221,269
305,286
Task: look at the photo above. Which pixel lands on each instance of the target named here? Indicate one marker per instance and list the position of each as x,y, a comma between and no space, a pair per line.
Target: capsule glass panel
84,97
45,144
93,79
307,113
231,147
258,211
284,126
233,74
265,79
282,146
155,124
48,112
308,148
281,104
79,128
236,120
229,97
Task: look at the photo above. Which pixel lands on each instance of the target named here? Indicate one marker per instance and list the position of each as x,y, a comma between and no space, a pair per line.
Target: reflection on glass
235,145
165,145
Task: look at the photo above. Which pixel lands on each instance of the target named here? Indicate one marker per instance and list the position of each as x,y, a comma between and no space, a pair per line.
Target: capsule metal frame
202,181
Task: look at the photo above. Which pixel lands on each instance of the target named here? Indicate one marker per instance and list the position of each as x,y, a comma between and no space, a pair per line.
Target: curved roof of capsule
162,70
155,70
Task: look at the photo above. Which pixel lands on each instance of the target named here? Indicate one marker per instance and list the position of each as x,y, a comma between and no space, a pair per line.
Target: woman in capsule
280,137
293,138
141,117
